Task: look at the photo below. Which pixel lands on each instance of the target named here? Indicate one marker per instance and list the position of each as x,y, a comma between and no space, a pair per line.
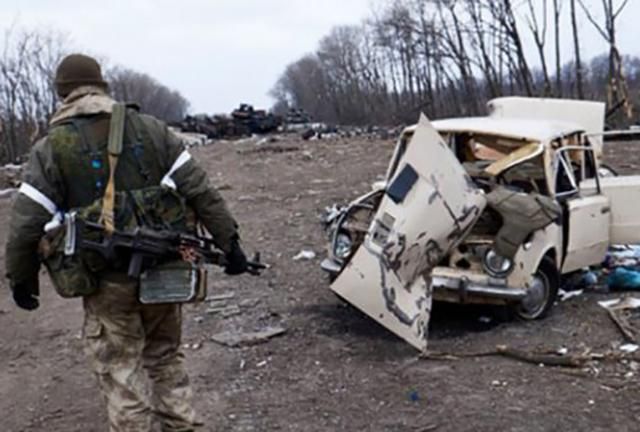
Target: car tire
542,293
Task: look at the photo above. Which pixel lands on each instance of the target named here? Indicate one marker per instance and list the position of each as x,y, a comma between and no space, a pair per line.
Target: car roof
514,128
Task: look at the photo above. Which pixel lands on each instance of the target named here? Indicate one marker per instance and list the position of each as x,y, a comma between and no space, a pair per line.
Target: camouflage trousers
134,350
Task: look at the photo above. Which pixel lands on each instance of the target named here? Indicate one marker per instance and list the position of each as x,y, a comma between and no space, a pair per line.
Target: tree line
28,61
449,57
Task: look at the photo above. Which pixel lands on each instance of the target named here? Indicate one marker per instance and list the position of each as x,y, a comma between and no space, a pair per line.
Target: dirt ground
333,369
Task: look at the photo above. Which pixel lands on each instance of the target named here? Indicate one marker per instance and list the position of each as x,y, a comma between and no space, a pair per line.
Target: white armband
179,162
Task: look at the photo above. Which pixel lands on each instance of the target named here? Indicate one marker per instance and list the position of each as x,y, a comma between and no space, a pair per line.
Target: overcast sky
219,53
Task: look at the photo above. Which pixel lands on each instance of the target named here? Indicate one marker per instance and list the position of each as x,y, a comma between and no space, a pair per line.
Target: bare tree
503,13
28,60
617,94
153,97
442,57
557,11
576,51
27,95
539,32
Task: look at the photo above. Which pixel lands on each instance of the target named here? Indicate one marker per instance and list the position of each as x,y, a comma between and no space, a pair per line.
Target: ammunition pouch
173,282
154,207
71,275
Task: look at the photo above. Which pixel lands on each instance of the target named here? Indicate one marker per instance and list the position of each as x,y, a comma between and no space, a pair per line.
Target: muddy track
334,369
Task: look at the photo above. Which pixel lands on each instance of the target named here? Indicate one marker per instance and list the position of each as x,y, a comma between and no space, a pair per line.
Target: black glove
25,292
236,260
24,298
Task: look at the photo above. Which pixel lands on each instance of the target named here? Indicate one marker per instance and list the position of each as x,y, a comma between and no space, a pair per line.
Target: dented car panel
429,205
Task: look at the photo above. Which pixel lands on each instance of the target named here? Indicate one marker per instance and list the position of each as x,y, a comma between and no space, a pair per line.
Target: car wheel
542,292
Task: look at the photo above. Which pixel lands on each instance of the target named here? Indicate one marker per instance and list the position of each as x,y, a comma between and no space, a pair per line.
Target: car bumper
458,286
465,286
331,266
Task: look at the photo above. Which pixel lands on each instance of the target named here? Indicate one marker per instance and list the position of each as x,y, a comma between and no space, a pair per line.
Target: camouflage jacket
69,169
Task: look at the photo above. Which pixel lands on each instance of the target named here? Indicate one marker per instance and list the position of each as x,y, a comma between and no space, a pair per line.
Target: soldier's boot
114,342
171,391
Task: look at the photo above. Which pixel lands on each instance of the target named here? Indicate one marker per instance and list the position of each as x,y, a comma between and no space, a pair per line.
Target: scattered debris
231,311
236,339
297,116
414,396
623,278
267,140
590,278
545,358
566,295
191,139
256,121
308,134
621,311
249,302
305,255
331,214
224,311
629,348
221,297
243,121
193,346
269,149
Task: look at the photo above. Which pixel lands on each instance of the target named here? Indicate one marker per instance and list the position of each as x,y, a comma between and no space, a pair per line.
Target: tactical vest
80,151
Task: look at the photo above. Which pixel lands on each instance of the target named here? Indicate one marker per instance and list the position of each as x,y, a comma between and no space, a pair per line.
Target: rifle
145,244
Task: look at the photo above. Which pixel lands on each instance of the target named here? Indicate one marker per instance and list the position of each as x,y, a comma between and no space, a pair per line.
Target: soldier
134,349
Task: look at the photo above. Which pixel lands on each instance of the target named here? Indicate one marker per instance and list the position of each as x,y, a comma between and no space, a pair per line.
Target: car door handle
605,210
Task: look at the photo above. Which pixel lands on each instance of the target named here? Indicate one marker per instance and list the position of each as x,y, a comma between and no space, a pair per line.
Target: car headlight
343,245
497,265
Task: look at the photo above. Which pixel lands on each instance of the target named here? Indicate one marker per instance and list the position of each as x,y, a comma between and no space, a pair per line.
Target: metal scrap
622,311
237,339
243,121
305,255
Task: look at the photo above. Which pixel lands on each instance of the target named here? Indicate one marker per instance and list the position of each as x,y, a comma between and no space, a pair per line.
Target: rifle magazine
173,282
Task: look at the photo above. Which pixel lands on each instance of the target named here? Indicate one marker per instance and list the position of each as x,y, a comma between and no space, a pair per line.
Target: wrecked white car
482,210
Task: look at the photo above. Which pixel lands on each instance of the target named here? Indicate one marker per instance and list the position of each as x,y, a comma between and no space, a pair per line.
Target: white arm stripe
180,161
33,193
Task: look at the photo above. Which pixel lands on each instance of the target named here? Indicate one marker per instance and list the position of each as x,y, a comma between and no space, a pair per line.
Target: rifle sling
114,149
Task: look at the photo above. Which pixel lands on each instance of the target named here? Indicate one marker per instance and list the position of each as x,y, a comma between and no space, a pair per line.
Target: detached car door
429,206
624,195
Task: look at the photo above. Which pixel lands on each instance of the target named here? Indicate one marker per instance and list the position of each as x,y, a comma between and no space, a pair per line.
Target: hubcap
536,299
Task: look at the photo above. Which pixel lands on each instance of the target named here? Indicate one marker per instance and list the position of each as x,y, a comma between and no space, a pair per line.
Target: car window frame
560,159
